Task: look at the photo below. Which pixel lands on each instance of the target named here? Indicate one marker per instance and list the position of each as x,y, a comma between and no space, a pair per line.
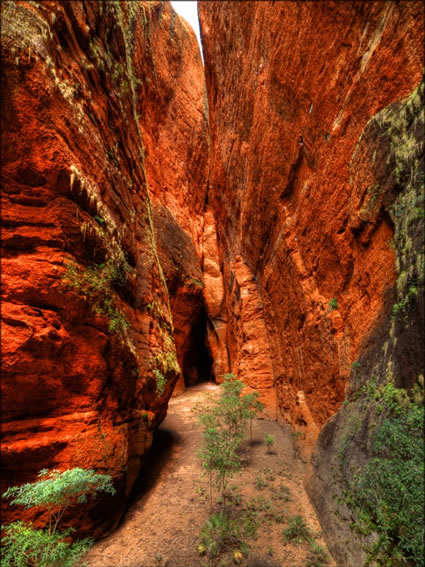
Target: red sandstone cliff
104,153
291,86
175,131
316,183
123,208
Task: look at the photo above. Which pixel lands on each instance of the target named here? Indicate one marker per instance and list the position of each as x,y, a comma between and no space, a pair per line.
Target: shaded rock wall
392,356
284,125
174,128
212,271
316,182
175,131
103,137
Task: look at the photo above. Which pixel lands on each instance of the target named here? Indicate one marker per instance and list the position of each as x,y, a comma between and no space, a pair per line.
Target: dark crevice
293,175
343,226
44,306
198,361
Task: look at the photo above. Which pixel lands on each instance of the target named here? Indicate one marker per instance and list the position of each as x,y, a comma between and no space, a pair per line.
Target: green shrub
218,534
333,304
25,546
389,492
223,533
224,427
297,531
281,493
160,560
260,483
250,522
269,441
55,491
317,556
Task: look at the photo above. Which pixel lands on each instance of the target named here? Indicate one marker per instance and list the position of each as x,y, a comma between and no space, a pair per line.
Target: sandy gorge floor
162,526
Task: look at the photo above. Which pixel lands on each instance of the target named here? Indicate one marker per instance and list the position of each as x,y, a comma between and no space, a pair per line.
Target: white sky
189,11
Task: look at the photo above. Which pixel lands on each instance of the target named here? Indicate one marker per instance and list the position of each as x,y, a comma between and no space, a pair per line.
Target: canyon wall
104,149
291,87
158,231
367,472
316,182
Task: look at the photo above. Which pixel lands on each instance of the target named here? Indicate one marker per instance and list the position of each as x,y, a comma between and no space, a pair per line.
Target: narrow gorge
171,219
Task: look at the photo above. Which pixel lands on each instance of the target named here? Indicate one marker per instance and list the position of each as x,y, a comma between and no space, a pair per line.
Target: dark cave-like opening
198,361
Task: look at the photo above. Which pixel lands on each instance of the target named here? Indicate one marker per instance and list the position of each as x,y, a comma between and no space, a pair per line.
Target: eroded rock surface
392,357
316,174
284,125
146,246
103,137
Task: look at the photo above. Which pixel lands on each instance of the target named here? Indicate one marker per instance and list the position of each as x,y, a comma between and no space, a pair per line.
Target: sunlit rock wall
291,87
104,156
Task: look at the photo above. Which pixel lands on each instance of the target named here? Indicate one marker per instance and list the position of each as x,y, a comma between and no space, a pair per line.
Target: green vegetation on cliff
95,283
379,436
387,493
55,492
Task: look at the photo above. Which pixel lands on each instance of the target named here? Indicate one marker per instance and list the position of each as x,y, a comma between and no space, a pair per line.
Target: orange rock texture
390,151
104,147
161,227
307,258
174,127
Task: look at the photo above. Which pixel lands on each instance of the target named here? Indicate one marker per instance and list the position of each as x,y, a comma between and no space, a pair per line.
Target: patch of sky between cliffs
189,11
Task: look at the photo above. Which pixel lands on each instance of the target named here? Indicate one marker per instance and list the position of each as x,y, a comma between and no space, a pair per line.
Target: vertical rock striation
291,86
364,509
174,129
159,230
316,183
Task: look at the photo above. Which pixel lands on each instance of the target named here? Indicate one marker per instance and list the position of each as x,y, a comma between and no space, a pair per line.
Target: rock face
159,231
391,361
174,128
248,330
313,248
104,153
316,183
